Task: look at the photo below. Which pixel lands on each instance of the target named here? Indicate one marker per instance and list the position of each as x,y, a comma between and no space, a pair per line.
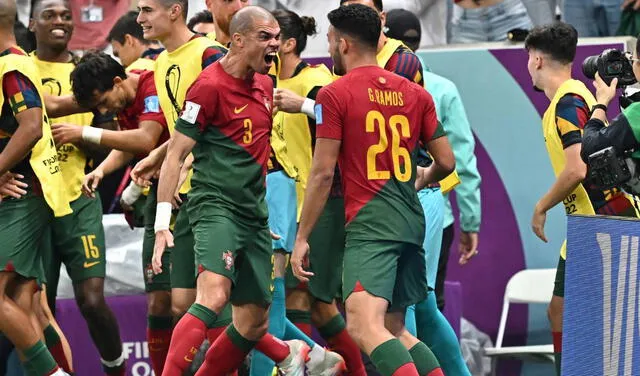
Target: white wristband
308,108
131,193
92,135
163,216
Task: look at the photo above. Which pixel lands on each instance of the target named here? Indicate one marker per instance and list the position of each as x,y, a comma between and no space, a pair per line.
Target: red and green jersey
145,107
380,119
230,120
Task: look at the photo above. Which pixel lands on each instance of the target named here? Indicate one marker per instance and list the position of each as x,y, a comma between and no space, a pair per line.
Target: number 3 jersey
230,120
380,118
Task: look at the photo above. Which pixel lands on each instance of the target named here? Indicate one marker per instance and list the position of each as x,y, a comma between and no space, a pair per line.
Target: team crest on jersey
382,80
149,273
227,257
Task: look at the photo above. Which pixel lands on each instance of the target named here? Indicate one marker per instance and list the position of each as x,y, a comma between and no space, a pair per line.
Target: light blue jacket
454,120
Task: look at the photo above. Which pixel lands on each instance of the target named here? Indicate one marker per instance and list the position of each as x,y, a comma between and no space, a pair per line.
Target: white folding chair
525,287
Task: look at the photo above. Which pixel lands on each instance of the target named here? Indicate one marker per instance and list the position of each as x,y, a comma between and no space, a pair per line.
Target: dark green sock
51,337
333,327
238,340
558,363
158,322
203,313
390,356
296,316
38,361
423,358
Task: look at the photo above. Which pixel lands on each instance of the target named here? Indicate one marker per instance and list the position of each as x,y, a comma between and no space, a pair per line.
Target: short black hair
94,73
37,4
358,21
127,24
376,3
24,37
558,40
294,26
201,17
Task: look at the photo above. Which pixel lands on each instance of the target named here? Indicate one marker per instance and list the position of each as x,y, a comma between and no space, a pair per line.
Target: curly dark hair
201,17
558,40
94,73
359,22
294,26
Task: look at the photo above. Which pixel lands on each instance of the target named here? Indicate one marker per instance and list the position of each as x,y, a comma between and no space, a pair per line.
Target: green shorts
558,285
178,263
77,241
391,270
327,252
22,224
239,252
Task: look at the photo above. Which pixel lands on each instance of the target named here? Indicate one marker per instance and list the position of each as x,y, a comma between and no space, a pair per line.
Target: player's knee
554,312
159,303
91,304
299,300
323,312
215,299
254,328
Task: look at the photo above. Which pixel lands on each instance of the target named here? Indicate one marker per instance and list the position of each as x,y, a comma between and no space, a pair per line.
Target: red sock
273,348
409,369
224,356
214,333
158,341
187,337
57,352
557,342
343,344
436,372
305,327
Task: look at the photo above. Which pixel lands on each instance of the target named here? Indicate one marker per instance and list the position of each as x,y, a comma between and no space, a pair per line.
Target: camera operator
623,134
552,49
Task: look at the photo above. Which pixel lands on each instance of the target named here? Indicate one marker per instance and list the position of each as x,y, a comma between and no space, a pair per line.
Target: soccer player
226,121
27,149
384,265
552,49
173,290
129,45
78,239
424,320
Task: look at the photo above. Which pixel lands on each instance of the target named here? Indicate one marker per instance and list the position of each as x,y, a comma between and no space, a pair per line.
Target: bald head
246,18
7,14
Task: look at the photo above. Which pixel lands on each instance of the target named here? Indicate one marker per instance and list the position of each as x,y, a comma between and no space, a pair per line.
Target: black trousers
447,240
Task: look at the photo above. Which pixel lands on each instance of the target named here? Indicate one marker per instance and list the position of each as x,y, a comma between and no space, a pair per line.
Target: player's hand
420,178
66,133
147,169
287,101
604,93
538,221
275,236
12,186
164,239
468,247
91,182
634,3
300,260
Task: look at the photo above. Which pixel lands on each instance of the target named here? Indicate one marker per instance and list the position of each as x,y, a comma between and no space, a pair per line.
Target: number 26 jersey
380,119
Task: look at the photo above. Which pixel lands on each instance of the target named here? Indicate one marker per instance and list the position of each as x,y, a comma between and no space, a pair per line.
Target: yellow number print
90,249
248,127
399,127
273,272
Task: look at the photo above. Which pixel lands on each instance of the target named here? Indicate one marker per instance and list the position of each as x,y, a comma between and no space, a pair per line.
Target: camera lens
614,68
590,66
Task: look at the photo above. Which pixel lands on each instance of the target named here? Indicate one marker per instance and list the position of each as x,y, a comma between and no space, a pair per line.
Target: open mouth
146,29
58,33
270,57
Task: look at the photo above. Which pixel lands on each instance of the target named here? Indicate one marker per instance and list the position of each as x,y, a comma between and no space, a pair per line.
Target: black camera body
609,169
610,64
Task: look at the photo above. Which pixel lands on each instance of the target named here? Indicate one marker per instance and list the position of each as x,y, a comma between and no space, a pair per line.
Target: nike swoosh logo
188,360
237,110
90,264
